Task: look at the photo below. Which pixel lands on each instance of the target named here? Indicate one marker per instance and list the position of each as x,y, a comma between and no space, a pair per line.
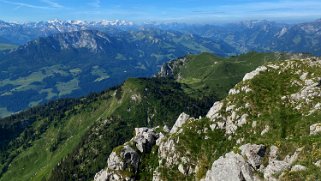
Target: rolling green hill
213,75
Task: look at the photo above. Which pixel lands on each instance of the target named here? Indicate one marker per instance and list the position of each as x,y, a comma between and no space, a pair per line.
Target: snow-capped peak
115,23
77,22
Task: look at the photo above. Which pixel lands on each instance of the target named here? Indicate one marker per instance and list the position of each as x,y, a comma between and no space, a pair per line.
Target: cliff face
170,69
267,128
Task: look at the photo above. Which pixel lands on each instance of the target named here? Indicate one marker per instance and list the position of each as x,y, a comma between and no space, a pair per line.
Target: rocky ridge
266,129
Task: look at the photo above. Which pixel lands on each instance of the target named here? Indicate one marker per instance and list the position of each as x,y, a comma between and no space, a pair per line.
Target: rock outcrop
245,166
123,162
231,167
315,129
251,75
169,69
276,166
254,154
179,122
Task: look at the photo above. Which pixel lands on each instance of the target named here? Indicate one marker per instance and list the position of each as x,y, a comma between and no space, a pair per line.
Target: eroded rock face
243,166
145,139
179,122
167,152
214,110
231,167
234,167
168,69
126,158
276,166
254,154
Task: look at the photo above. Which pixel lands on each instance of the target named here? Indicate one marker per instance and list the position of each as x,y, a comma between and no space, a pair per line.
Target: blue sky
195,11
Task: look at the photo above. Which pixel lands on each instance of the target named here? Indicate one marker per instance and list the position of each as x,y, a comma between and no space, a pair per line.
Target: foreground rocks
247,136
123,162
247,165
231,167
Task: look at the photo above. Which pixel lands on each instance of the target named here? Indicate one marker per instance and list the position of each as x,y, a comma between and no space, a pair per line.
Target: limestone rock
214,110
265,130
181,169
231,167
254,154
139,131
275,167
168,69
126,157
318,163
160,138
166,129
179,122
115,162
145,139
273,152
315,129
297,168
167,152
101,176
278,166
254,73
233,91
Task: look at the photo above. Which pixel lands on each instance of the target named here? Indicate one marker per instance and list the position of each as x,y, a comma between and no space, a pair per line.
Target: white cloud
20,4
52,4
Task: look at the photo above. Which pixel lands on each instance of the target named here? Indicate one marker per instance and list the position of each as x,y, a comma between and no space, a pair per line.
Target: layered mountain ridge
243,36
261,36
77,63
135,50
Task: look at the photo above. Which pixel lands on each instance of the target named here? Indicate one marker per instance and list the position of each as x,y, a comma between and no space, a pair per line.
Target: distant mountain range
244,36
80,62
21,33
56,59
263,36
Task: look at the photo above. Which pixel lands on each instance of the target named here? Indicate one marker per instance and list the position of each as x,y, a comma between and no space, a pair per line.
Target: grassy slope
60,138
216,75
64,137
